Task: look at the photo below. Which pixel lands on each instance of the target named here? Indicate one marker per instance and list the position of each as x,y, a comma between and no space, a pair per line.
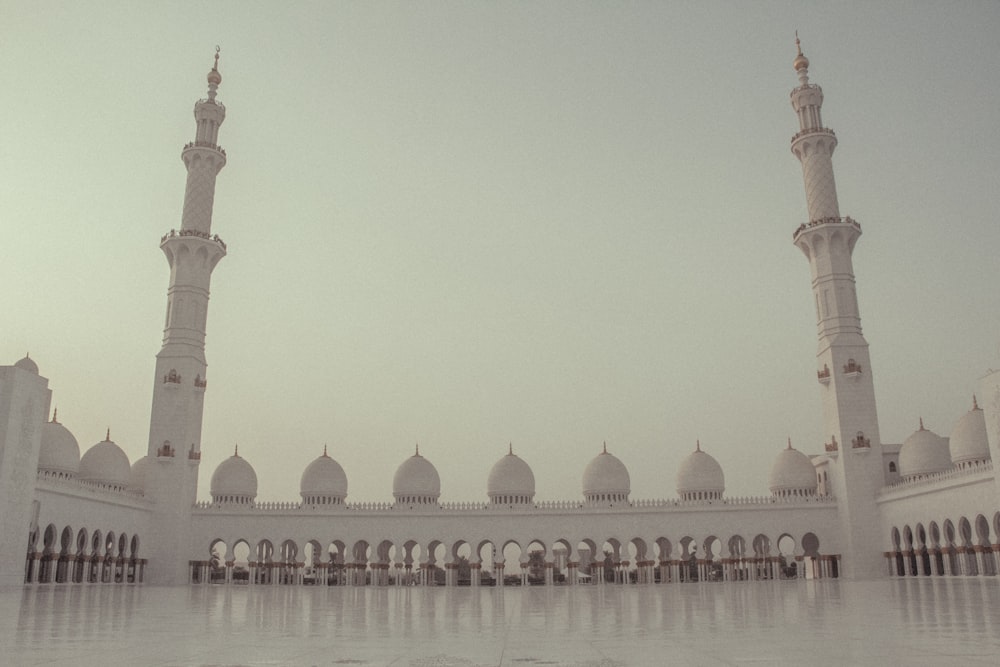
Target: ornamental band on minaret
843,366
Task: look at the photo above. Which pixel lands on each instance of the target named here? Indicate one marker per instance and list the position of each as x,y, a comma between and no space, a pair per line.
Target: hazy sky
466,224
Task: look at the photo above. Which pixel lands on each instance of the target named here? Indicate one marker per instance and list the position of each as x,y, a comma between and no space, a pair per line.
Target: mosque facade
857,508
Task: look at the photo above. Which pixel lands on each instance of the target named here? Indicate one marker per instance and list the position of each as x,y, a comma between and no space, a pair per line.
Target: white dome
105,463
137,477
700,473
60,452
234,481
324,478
923,453
606,475
792,474
968,442
27,364
511,476
417,478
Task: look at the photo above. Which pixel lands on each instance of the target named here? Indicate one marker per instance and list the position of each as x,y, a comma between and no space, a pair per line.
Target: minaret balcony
824,375
813,130
832,447
174,233
813,224
205,144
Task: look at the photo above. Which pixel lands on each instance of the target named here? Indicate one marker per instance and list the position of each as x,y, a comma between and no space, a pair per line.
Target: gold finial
217,50
510,448
324,450
236,451
789,442
107,436
418,450
605,447
55,411
697,445
975,405
922,424
801,62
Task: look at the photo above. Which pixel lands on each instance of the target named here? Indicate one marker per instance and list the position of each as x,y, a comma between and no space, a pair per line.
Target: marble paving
908,621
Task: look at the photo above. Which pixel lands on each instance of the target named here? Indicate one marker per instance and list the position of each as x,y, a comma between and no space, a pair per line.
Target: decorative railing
542,506
92,489
861,442
823,374
193,232
826,221
813,130
831,446
982,469
205,144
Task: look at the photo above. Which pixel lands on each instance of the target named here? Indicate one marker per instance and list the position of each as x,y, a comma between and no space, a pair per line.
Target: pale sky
467,224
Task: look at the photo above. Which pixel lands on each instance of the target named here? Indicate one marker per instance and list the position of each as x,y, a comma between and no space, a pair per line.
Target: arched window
892,466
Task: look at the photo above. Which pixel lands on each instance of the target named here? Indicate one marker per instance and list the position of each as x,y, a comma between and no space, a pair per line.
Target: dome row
926,453
606,480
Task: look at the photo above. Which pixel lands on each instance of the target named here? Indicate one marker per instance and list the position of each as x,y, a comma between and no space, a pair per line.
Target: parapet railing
935,478
193,232
826,221
542,505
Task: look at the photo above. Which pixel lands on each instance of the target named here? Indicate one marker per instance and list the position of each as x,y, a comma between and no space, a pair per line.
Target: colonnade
53,568
976,560
428,574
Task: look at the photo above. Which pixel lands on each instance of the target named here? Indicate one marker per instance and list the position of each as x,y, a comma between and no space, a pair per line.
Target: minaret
843,366
180,380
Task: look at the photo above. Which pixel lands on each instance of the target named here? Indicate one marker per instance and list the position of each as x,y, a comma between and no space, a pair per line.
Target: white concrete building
858,508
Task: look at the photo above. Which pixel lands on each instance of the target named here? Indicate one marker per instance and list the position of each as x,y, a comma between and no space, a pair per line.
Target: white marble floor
910,621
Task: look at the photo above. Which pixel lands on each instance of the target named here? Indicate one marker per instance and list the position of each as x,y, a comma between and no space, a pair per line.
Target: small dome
106,464
27,364
792,474
323,478
234,481
416,480
511,477
700,477
606,476
923,453
60,452
137,477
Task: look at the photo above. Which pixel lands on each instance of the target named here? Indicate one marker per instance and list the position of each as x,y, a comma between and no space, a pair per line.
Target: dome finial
510,448
605,447
697,445
801,63
922,424
324,450
214,78
236,450
789,442
55,411
107,436
418,450
975,404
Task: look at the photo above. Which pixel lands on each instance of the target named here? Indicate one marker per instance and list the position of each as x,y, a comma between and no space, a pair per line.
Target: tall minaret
180,380
843,366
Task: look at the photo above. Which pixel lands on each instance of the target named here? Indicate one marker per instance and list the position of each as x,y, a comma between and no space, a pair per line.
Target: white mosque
858,508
